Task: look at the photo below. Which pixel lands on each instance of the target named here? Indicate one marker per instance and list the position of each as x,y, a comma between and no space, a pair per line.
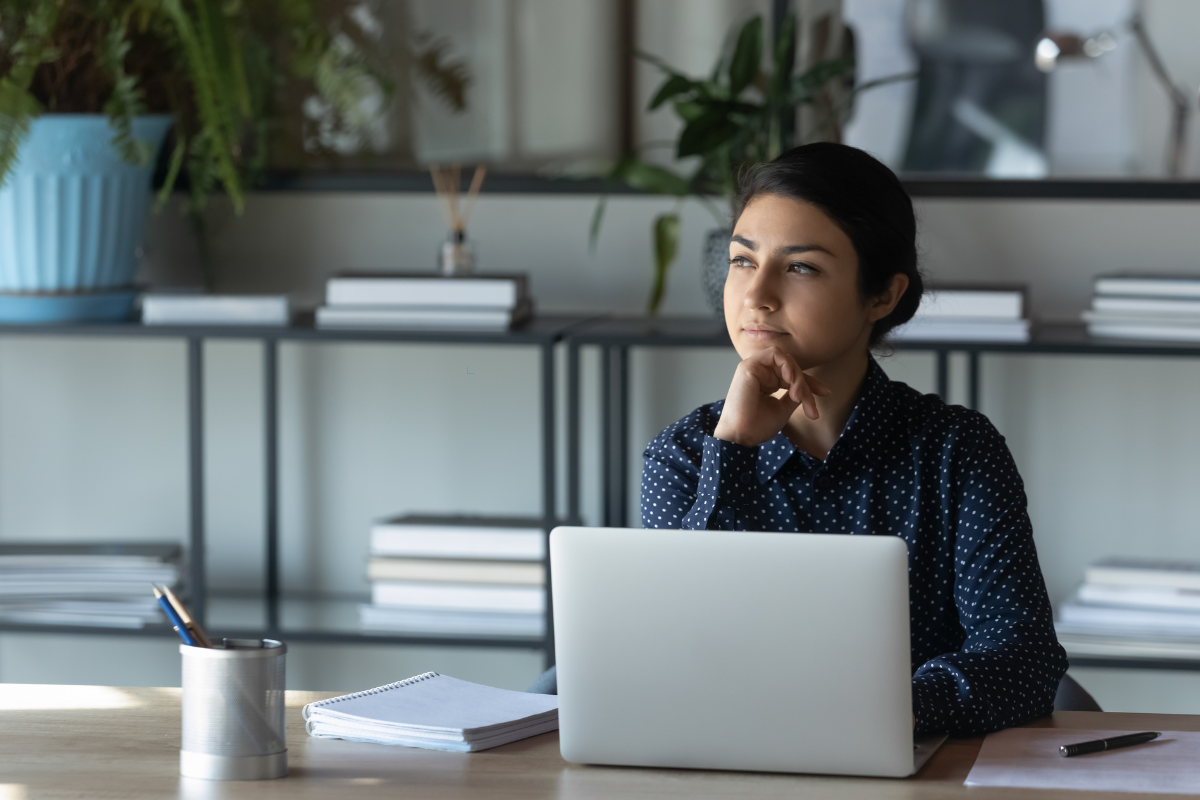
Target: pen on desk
169,610
1100,745
193,628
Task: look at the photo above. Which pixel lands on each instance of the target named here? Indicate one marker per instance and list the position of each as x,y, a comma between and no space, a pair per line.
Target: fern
17,106
126,100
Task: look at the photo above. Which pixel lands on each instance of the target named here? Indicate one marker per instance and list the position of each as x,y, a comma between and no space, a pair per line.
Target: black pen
1100,745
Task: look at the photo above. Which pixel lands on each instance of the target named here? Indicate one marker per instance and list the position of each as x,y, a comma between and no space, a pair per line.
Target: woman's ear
882,305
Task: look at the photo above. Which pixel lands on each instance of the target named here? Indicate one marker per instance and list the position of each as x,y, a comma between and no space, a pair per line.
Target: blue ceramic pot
71,218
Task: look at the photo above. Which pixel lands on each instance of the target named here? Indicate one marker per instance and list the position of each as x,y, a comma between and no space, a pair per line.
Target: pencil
197,632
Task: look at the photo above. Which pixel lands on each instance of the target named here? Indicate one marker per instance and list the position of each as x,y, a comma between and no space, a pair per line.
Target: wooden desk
100,742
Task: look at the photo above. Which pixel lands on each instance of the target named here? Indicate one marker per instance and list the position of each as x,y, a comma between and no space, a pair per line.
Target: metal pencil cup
233,711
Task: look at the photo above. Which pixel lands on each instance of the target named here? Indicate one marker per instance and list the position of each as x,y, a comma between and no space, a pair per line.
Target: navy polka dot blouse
984,654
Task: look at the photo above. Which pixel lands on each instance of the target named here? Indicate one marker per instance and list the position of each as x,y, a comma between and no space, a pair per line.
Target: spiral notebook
435,712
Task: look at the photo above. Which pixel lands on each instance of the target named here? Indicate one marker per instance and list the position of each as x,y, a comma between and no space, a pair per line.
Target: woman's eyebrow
742,240
792,249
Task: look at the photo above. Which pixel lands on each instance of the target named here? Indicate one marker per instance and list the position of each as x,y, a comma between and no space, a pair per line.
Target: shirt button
823,481
747,478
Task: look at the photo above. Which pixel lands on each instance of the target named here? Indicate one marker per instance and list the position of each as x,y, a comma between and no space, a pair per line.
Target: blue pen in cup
169,610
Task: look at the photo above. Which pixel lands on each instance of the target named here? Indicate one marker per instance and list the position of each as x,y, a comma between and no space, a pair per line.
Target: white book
215,309
1076,618
459,596
1149,285
436,712
457,623
423,289
422,317
1132,596
1144,331
1145,306
1082,644
90,588
1144,572
456,571
961,330
459,537
973,303
164,573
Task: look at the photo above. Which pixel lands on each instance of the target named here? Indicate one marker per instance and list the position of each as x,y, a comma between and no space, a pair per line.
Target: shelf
541,329
320,620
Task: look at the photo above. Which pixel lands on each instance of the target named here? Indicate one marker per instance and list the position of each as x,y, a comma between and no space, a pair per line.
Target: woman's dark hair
863,198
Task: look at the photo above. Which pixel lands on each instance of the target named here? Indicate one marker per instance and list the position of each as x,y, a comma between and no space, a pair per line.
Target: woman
813,437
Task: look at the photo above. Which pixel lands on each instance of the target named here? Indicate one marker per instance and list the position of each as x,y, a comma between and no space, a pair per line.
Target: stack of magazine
425,301
968,314
1163,307
1135,608
458,576
94,585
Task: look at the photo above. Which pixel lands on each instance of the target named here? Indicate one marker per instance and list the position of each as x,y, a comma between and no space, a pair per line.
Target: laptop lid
778,652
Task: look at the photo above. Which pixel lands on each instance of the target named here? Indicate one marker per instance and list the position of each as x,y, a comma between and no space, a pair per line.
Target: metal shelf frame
615,337
543,332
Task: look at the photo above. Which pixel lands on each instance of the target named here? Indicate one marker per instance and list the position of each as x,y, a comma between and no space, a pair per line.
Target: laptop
775,652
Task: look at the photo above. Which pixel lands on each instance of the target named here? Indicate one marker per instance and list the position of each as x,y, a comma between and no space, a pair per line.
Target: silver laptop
777,652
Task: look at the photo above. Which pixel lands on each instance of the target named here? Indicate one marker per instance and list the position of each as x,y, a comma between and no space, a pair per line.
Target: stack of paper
968,315
457,575
425,301
436,712
1146,307
196,308
1134,607
85,584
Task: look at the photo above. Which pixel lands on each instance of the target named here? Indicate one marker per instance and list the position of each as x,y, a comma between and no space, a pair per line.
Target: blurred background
1045,142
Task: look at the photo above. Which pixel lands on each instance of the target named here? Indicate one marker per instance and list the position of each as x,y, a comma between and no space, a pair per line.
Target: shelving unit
307,619
616,336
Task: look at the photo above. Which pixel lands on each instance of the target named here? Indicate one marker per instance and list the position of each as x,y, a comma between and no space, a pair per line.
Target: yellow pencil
197,632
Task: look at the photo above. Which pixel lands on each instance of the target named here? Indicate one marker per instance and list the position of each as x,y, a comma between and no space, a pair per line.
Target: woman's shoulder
685,437
931,420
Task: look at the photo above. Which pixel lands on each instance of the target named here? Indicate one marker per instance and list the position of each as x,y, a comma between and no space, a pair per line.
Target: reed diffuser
457,255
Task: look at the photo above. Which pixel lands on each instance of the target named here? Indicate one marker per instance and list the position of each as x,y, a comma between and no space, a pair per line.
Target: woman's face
793,283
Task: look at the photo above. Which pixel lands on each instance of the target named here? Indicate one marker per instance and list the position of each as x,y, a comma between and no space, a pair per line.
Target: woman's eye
739,261
797,266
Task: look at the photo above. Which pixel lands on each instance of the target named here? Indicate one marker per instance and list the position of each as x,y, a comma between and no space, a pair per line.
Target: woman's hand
752,414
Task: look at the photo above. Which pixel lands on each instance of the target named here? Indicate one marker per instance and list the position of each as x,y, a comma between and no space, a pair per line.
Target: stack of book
457,576
97,585
1145,307
968,314
425,301
1134,607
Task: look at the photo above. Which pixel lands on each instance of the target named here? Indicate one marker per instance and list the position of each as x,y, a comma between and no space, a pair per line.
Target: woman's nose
762,291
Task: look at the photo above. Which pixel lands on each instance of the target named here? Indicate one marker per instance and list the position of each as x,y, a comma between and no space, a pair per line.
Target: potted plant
88,92
740,115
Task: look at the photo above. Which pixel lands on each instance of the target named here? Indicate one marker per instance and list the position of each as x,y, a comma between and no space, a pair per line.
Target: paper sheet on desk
1028,758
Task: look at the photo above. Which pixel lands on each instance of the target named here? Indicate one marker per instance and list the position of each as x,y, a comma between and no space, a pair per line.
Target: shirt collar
860,428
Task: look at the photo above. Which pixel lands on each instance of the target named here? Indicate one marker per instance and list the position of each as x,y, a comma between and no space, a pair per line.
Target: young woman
813,437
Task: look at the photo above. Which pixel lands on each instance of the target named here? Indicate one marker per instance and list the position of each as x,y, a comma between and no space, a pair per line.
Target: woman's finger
808,401
817,387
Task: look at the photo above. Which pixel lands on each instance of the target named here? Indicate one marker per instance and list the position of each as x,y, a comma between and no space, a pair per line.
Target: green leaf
688,110
812,79
650,178
666,244
747,56
706,133
785,54
672,87
164,194
597,221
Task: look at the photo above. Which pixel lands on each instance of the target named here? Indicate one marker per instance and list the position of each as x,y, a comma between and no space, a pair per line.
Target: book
486,538
459,596
215,309
1110,646
1146,306
1085,619
423,317
397,619
1144,572
961,330
1166,598
973,303
1138,330
424,289
448,571
1133,285
436,712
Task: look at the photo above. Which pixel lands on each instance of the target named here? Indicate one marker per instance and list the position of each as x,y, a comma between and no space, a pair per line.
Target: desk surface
101,742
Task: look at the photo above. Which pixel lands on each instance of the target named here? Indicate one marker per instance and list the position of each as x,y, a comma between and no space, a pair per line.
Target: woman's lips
762,333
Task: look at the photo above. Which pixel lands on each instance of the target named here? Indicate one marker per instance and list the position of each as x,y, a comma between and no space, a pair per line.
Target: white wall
92,437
